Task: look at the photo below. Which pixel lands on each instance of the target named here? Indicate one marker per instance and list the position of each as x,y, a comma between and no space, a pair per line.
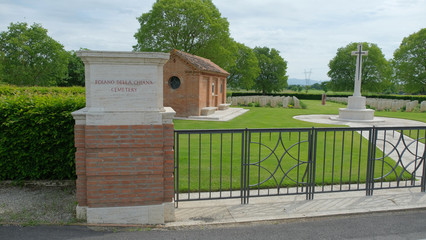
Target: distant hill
295,81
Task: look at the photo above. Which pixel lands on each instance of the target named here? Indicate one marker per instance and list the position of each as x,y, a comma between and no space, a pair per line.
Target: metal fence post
310,181
371,161
244,168
176,169
423,183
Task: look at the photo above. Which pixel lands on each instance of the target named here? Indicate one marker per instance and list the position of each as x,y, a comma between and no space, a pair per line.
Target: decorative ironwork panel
277,161
402,156
244,163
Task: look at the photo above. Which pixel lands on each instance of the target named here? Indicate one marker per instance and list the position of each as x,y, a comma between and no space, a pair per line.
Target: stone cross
359,53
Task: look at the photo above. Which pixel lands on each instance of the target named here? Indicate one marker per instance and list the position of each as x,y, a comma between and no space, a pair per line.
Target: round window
174,82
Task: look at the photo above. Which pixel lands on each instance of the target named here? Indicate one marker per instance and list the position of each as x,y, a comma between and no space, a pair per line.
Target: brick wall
195,91
124,165
183,100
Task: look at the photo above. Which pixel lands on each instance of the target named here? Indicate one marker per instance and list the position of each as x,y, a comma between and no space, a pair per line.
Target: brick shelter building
193,83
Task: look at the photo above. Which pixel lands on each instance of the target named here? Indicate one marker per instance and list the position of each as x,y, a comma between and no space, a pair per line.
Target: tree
273,68
316,86
1,66
324,86
410,62
307,87
30,57
193,26
75,76
376,70
246,69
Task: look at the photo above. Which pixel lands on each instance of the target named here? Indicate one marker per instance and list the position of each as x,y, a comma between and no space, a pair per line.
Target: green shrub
37,133
12,90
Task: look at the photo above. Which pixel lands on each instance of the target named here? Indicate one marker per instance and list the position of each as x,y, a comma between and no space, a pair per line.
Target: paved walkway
296,206
379,121
219,115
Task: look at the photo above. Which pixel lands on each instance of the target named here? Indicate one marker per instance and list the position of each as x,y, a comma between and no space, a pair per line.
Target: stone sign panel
122,89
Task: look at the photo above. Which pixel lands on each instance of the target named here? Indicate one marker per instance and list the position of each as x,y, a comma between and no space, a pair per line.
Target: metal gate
244,163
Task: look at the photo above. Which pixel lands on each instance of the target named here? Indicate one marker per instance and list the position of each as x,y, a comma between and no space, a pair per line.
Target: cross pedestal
356,110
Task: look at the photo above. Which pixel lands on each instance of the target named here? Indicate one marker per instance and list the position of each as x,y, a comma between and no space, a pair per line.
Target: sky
306,32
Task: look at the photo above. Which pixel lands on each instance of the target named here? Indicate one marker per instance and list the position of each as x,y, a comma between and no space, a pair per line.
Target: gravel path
32,205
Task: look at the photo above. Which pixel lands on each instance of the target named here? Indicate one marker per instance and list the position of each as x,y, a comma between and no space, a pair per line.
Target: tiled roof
200,63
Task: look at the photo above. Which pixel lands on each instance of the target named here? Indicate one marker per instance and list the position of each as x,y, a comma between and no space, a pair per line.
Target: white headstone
410,106
373,103
379,105
296,102
395,106
423,106
286,102
262,101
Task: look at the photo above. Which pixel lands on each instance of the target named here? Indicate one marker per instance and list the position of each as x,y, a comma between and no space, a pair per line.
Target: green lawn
273,156
263,117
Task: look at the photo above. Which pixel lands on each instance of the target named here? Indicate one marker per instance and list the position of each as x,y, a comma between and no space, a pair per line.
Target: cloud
93,24
307,33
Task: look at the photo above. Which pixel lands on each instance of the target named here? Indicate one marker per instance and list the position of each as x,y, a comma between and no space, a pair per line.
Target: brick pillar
123,166
80,163
124,140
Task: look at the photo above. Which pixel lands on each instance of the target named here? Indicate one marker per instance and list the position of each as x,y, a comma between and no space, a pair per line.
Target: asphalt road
393,225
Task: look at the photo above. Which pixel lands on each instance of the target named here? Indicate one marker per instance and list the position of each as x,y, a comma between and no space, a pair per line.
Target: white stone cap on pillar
123,88
168,115
87,116
124,57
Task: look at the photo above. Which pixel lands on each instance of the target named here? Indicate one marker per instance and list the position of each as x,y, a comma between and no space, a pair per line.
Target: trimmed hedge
420,98
37,133
11,90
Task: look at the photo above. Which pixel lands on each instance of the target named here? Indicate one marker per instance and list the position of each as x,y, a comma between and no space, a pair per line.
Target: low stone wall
381,104
263,101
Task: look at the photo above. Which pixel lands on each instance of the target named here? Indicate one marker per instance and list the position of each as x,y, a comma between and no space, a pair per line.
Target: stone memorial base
347,114
355,111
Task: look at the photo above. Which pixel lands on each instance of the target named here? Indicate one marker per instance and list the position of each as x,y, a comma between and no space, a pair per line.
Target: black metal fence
244,163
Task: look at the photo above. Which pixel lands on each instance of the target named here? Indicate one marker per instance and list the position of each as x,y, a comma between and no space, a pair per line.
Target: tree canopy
193,26
28,56
376,70
410,62
272,77
246,69
76,75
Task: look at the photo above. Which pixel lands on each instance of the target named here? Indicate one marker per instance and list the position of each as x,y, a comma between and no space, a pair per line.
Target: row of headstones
262,101
386,104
